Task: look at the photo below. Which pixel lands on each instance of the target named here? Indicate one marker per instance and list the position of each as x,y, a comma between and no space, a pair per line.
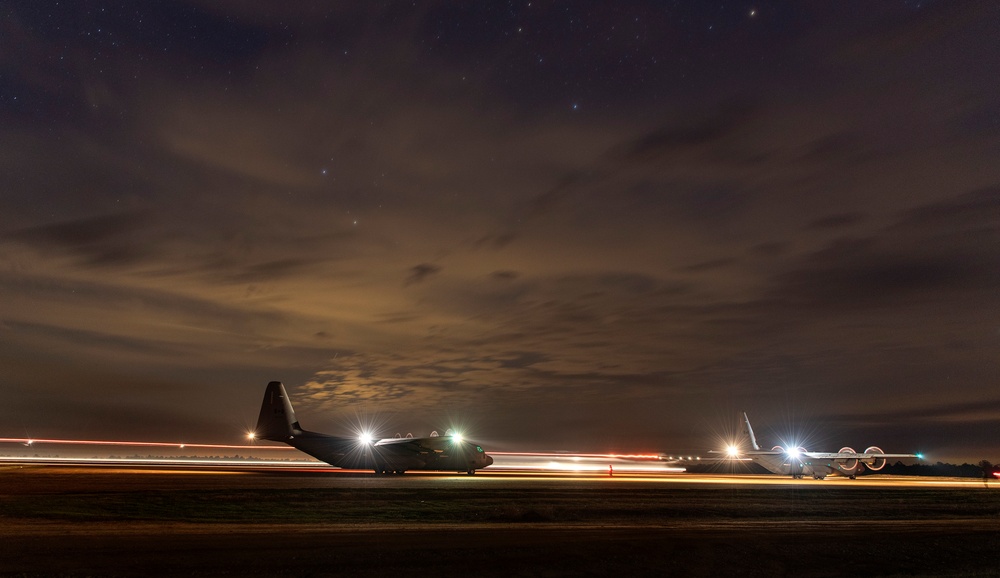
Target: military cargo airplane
386,456
797,462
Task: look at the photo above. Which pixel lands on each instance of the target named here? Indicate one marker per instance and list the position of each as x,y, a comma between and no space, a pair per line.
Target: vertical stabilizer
277,418
749,431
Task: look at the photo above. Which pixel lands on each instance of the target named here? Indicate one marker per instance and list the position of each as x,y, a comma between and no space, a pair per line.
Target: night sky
591,226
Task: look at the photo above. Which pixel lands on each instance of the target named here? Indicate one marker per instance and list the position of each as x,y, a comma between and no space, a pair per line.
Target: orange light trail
167,461
182,445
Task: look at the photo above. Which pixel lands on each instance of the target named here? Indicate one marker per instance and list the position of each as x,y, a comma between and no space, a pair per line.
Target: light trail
180,445
162,461
560,462
571,468
580,463
571,455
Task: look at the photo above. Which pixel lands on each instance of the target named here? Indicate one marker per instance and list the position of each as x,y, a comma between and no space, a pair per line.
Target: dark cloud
709,265
977,210
853,273
420,272
669,144
504,275
102,241
840,147
682,138
837,221
944,246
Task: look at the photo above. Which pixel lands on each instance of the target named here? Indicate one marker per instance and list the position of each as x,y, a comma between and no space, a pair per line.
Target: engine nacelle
877,463
850,459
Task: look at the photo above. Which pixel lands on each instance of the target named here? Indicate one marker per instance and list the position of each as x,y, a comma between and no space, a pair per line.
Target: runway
70,476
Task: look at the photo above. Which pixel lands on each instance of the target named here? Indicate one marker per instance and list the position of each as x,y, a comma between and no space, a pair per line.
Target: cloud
504,275
106,240
420,272
843,220
679,139
969,212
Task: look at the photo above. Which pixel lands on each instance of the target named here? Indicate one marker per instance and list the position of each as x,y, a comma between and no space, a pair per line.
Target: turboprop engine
850,458
877,463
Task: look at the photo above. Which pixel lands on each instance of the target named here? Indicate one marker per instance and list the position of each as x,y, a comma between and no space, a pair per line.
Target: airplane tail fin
749,431
277,418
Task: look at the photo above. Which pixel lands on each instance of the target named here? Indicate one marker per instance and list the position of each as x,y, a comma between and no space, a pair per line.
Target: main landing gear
386,472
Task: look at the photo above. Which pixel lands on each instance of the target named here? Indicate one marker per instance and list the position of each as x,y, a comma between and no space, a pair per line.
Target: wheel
471,472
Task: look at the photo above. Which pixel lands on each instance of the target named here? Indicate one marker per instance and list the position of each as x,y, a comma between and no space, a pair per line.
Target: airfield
167,520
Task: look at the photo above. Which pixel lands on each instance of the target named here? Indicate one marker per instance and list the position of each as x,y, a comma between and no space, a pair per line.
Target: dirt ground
115,524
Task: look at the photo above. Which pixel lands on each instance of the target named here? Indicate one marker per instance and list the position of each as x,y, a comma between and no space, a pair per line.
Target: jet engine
878,463
850,458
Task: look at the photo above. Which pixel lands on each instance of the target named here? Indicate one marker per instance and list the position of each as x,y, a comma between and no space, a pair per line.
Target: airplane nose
489,460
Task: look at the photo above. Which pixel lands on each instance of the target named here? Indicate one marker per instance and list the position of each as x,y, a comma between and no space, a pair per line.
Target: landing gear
471,472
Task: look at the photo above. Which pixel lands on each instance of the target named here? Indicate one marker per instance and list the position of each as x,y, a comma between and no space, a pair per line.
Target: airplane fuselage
277,422
441,453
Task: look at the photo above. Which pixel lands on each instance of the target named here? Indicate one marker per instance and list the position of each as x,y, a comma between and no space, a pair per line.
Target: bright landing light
793,453
732,451
366,438
457,438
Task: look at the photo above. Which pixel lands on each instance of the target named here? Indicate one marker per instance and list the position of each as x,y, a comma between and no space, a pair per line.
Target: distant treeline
979,470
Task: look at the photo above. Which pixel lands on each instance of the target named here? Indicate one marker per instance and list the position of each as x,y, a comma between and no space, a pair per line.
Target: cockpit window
479,449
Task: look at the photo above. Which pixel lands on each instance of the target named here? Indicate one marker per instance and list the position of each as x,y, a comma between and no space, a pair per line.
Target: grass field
471,505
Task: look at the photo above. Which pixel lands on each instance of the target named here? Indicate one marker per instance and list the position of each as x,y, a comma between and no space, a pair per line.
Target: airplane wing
750,452
851,456
824,455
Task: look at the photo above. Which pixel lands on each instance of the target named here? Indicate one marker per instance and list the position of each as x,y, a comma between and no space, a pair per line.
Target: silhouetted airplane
797,462
392,455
